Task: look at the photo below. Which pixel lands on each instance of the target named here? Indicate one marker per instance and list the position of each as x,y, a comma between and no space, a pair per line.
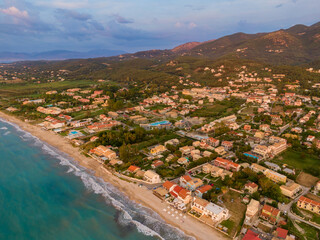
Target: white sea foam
6,133
3,128
131,213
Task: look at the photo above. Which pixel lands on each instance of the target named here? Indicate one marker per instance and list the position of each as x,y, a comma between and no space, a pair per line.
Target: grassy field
35,88
236,208
306,179
303,231
299,160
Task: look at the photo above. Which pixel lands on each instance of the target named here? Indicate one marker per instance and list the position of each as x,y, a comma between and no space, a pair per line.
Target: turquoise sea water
45,195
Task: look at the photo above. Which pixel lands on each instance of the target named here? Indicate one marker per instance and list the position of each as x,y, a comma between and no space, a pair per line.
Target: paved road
287,208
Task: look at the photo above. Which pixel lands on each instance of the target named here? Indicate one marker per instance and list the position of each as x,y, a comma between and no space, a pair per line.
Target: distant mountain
57,55
299,44
185,47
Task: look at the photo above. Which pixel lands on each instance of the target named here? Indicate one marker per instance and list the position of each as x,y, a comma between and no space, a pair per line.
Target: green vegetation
219,109
300,160
23,89
228,224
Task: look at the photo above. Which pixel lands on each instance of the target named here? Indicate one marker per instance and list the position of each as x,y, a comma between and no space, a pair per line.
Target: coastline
141,195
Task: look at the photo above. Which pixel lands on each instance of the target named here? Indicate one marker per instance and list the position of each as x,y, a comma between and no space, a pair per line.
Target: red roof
252,185
183,193
308,201
282,233
133,168
250,235
204,188
187,178
167,185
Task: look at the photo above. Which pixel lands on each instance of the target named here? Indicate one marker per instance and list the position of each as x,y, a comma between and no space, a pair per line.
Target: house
215,212
133,169
212,141
158,150
186,150
252,210
169,186
274,176
270,214
272,166
173,142
226,164
261,150
265,127
281,233
291,189
259,134
250,235
156,164
206,168
220,150
251,187
247,128
113,115
152,177
308,204
184,196
115,161
184,180
219,172
193,184
311,138
183,161
201,190
257,168
103,151
227,145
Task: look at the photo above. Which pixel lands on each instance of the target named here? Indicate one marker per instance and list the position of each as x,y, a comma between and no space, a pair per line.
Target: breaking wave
130,214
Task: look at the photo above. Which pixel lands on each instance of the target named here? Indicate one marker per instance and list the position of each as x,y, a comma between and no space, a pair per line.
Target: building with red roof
309,204
270,214
281,233
250,235
168,185
184,180
133,169
200,191
226,164
251,187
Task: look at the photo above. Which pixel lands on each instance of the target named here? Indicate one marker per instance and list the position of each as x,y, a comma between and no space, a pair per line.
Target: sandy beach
140,195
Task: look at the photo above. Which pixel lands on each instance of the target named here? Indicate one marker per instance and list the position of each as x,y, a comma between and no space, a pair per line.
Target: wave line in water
145,220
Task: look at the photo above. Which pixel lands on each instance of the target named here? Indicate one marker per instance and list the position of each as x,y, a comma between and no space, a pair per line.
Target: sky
134,25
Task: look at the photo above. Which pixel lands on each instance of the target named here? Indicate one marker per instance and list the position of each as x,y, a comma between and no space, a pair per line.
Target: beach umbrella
184,216
164,210
172,215
180,214
177,218
169,212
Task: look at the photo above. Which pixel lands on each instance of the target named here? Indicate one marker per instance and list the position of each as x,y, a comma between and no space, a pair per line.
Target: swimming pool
160,123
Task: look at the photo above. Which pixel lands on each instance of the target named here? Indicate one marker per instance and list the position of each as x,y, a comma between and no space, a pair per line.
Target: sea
45,194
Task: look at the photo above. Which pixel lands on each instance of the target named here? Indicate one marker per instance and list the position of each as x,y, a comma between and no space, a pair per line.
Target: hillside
299,44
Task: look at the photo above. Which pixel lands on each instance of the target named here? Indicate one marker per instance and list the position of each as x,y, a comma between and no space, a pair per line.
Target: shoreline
140,195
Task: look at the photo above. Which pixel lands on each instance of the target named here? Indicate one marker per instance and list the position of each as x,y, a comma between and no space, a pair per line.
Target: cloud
188,25
195,8
279,5
74,14
122,20
15,12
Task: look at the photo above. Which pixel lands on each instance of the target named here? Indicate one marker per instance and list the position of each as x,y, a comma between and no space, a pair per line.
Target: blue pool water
159,123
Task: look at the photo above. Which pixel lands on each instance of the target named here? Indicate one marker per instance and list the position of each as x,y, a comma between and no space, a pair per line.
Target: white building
152,177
